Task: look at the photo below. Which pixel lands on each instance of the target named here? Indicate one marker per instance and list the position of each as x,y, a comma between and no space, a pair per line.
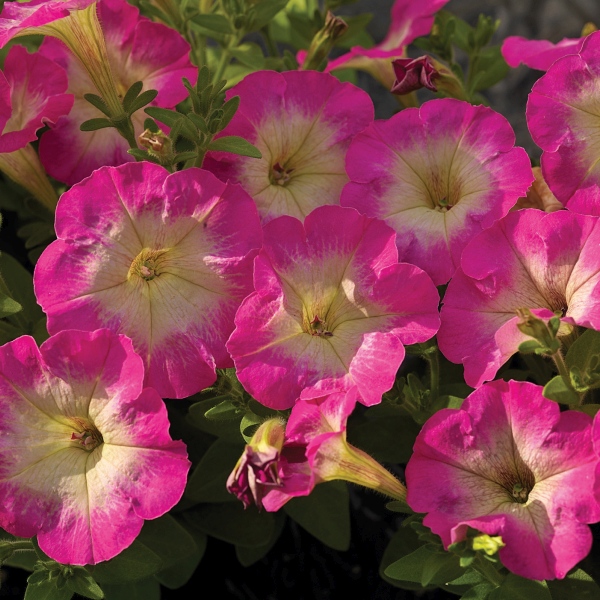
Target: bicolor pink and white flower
438,175
138,50
332,310
545,262
302,122
537,54
86,451
563,120
509,463
164,259
32,95
314,450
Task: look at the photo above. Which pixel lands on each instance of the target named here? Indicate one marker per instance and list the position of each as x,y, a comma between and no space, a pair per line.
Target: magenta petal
326,314
158,257
87,452
530,259
537,54
526,494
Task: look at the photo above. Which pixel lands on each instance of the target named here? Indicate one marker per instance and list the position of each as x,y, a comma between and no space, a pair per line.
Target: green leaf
589,409
83,583
19,282
519,588
491,68
248,556
95,124
231,523
410,567
141,101
8,306
529,347
478,592
98,103
576,585
132,93
148,589
199,122
556,389
175,576
263,13
440,569
46,590
207,482
168,117
249,54
325,513
249,424
235,145
134,563
224,411
228,430
213,22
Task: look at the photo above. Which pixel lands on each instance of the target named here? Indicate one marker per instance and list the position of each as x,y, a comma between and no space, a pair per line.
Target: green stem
563,371
433,359
271,45
223,62
486,569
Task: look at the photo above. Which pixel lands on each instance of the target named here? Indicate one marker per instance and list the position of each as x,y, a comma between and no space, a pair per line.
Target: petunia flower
138,50
314,450
73,22
86,451
332,310
438,175
164,259
302,122
32,95
545,262
537,54
563,120
410,19
508,463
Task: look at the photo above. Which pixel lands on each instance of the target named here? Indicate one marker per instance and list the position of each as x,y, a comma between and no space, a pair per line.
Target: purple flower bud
413,74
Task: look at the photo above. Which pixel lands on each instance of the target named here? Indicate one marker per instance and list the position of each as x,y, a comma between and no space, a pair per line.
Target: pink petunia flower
563,119
138,50
332,309
75,23
546,262
86,452
509,463
438,175
409,20
32,94
302,122
537,54
315,450
164,259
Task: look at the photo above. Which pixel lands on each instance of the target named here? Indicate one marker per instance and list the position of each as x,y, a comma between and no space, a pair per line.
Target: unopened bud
413,74
323,42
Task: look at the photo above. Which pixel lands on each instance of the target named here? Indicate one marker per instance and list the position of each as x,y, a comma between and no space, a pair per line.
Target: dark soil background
299,567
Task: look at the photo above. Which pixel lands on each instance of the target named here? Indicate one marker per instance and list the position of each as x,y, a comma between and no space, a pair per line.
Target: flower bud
324,40
413,74
256,472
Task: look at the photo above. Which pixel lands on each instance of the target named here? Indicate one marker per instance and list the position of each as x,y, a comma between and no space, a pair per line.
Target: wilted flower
545,262
508,463
302,122
438,175
164,259
86,452
332,310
